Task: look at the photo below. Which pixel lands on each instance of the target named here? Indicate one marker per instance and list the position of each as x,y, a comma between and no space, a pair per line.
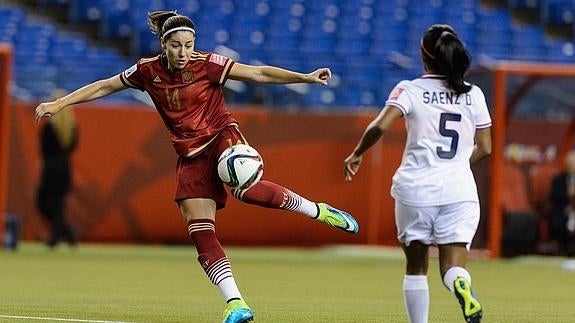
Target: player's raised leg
271,195
336,218
458,281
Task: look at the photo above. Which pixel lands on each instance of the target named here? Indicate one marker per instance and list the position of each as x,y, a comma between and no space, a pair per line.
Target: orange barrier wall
124,178
6,72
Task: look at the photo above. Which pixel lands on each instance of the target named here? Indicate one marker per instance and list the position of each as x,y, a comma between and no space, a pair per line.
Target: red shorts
197,176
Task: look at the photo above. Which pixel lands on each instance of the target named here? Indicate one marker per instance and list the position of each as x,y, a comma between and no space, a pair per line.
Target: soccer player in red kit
186,88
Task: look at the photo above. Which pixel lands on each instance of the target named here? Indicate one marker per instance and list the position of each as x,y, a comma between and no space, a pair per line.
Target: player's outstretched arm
373,132
276,75
86,93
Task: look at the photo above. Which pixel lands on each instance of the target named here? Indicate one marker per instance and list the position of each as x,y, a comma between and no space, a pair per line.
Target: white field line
39,318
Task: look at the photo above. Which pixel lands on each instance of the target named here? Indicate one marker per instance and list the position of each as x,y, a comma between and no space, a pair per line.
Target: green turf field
104,283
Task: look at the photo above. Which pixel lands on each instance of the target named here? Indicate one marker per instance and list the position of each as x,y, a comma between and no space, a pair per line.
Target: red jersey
190,101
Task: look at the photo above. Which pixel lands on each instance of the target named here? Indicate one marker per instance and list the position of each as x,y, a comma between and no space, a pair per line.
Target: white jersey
441,127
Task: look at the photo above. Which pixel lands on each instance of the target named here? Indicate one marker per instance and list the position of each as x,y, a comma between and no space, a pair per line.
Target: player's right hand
351,166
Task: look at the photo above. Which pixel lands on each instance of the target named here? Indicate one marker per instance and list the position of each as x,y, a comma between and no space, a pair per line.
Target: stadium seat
278,43
115,21
319,98
557,12
527,9
356,96
11,14
527,43
48,3
493,36
284,31
560,50
71,45
524,4
84,11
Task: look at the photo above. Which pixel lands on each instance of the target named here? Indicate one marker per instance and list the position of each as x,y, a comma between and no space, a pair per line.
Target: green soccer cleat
472,310
238,312
337,218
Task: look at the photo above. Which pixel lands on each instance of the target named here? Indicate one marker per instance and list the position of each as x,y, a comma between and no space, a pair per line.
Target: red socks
211,255
269,195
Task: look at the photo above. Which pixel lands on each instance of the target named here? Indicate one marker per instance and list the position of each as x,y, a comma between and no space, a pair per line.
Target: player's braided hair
444,52
162,21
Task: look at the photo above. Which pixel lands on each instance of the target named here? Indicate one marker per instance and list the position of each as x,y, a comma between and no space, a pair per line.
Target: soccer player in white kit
436,202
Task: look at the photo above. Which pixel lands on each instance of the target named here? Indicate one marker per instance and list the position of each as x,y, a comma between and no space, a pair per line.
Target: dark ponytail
443,51
162,21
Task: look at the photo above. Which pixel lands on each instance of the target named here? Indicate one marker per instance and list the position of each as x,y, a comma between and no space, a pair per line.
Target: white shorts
452,223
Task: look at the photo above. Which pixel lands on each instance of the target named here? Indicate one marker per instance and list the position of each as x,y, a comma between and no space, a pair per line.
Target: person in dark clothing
562,207
58,139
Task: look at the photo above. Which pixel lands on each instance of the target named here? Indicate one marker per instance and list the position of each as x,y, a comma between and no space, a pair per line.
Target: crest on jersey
187,76
394,95
218,59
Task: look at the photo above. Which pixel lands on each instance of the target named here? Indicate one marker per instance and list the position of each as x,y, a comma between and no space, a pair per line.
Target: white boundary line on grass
55,319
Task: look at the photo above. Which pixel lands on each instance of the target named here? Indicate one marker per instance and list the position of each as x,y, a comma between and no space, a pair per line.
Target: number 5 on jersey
450,133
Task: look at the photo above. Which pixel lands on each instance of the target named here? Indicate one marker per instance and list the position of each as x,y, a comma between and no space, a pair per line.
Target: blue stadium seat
11,14
85,11
320,36
358,95
388,34
390,6
357,6
144,43
353,37
286,43
319,98
557,12
560,50
524,4
46,3
69,44
493,19
527,43
320,5
460,5
212,31
461,15
425,13
249,31
115,21
191,8
493,36
353,46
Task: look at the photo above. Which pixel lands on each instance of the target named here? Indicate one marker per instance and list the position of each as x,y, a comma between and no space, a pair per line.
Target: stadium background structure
363,196
516,90
370,45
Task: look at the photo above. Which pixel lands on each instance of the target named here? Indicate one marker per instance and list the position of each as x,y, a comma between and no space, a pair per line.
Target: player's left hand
351,166
321,75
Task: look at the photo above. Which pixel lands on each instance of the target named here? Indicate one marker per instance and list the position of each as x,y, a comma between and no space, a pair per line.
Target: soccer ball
240,166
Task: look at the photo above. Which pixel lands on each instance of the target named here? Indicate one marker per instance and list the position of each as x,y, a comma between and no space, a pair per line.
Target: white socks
452,274
229,289
416,298
308,208
416,292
